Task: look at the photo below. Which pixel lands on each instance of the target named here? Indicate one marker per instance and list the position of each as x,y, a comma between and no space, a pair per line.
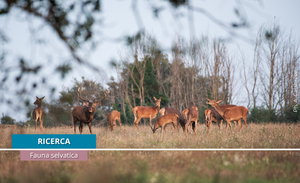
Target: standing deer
162,121
169,110
211,115
38,113
112,117
230,114
192,115
140,112
85,114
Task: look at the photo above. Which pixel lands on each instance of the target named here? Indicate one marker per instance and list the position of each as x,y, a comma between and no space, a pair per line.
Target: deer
162,121
192,115
211,115
38,113
112,117
169,110
85,114
140,112
230,114
186,111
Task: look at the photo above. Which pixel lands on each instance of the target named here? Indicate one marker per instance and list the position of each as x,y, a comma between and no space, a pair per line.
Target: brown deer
211,115
162,121
85,114
169,110
140,112
186,111
38,113
112,117
192,116
230,114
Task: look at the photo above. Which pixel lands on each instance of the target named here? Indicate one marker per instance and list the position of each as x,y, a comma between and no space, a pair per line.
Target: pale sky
119,20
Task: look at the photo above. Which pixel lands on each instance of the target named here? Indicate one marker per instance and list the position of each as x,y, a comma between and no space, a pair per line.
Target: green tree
7,120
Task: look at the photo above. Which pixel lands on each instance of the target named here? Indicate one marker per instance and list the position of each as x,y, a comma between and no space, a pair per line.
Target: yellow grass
165,166
154,167
268,135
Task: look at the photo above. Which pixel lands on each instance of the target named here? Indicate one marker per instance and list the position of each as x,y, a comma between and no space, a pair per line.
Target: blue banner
53,141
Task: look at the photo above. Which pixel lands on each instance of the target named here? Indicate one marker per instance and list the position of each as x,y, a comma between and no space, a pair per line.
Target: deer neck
89,115
157,108
39,104
219,110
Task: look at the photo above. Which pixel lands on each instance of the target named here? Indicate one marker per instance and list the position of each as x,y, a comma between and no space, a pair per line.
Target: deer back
113,115
192,114
146,112
235,113
166,119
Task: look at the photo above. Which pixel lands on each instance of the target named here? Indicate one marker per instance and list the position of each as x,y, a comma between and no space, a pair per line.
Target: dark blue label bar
53,141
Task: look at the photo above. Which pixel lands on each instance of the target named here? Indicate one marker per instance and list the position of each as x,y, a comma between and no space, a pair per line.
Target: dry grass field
267,135
156,167
165,166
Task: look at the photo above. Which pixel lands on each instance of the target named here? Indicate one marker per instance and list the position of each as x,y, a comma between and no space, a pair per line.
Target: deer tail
134,112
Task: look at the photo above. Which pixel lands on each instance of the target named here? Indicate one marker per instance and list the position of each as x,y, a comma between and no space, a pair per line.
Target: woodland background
197,70
186,74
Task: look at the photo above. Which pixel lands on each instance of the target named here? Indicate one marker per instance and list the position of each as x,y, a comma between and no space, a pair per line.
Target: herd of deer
84,115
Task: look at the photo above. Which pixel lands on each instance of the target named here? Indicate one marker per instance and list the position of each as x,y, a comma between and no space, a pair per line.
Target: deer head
213,102
91,104
157,102
38,100
153,129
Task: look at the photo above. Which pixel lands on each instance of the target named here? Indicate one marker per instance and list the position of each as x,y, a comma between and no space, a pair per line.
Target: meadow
165,166
268,135
160,166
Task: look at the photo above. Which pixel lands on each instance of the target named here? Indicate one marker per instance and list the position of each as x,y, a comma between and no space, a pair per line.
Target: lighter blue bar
30,141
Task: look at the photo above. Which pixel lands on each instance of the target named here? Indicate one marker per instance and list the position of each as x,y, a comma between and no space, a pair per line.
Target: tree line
190,73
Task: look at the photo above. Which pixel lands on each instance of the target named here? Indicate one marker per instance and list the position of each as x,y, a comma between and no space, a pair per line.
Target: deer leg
194,126
228,122
41,124
219,124
74,121
245,120
235,124
35,121
90,127
240,124
162,131
120,123
113,126
150,121
136,122
186,127
81,127
176,125
221,121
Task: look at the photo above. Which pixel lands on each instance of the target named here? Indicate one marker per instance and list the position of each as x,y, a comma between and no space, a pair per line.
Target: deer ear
96,103
154,98
37,97
86,104
219,101
43,98
160,98
208,99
